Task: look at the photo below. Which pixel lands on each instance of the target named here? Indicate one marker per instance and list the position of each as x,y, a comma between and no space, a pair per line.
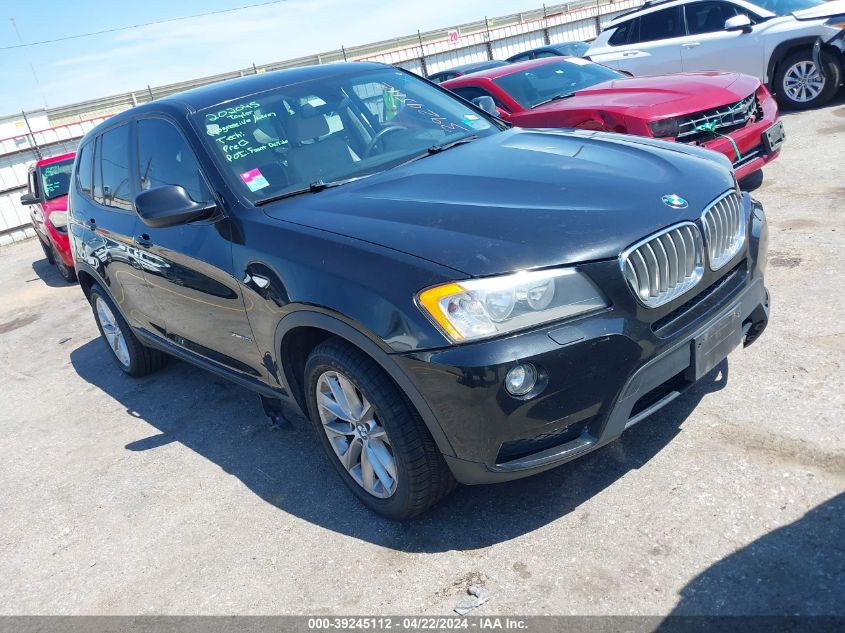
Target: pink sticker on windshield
254,179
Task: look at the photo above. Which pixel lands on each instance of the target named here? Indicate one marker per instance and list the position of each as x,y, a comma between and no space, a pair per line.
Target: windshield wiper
436,149
319,185
314,187
555,98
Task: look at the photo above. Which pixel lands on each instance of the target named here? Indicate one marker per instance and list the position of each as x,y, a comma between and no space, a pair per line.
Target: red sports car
48,181
727,112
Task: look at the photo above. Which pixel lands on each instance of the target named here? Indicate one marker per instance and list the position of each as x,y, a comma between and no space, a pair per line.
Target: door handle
630,53
143,240
690,44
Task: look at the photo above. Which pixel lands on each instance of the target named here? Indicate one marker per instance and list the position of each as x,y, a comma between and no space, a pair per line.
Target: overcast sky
101,65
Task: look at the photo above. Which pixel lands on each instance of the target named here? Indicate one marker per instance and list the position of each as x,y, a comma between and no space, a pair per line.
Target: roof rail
645,5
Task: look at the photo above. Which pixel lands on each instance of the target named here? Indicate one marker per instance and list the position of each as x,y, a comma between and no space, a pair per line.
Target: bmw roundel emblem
675,201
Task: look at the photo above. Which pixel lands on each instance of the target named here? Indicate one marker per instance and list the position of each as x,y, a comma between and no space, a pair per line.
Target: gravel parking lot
171,494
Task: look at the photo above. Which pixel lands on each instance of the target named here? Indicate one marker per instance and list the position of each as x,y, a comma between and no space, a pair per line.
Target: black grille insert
516,449
723,286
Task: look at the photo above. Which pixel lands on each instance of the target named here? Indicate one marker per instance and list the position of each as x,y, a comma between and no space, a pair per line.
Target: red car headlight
665,128
59,220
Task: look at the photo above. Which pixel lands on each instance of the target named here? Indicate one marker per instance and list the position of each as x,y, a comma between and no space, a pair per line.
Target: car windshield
55,178
329,130
785,7
537,85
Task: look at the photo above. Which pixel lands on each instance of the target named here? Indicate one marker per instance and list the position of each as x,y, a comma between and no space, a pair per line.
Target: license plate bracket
713,345
774,137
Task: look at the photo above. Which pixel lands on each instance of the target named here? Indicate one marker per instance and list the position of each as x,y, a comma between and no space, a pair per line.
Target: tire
132,357
48,251
67,273
792,68
396,432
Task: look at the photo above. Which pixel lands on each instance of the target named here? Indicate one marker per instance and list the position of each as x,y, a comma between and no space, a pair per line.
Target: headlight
480,308
665,128
58,219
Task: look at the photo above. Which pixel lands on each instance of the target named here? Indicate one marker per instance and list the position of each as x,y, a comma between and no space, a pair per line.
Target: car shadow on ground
774,575
49,274
287,468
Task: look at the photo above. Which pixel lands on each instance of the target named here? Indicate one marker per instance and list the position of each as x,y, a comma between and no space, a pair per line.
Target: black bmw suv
445,298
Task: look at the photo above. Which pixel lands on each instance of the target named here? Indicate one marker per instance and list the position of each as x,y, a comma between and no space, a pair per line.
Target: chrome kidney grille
664,266
724,229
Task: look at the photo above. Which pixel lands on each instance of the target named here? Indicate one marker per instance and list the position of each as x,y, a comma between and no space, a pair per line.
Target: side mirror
169,205
738,23
487,104
29,198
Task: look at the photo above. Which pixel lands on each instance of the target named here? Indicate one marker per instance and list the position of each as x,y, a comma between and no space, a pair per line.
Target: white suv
769,39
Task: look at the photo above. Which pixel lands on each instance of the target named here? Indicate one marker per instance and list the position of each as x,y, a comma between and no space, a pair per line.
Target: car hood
660,96
55,204
520,199
826,10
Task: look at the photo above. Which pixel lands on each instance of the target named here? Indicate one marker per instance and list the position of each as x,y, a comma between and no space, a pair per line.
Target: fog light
521,379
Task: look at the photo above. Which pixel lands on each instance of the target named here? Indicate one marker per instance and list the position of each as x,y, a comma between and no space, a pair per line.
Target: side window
524,57
661,25
622,34
708,17
544,54
164,158
85,171
98,172
114,165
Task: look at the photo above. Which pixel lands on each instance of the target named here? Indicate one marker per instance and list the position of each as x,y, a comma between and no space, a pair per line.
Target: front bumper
753,154
605,372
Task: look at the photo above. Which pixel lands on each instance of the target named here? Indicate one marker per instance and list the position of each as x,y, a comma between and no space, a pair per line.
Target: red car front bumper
749,140
51,236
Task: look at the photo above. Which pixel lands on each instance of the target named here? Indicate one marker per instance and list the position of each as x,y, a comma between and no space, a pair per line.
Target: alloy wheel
802,82
356,435
112,332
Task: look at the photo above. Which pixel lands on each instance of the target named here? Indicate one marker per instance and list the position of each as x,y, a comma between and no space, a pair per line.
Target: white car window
660,25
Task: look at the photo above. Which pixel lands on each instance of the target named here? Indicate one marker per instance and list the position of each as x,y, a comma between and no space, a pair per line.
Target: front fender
375,349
